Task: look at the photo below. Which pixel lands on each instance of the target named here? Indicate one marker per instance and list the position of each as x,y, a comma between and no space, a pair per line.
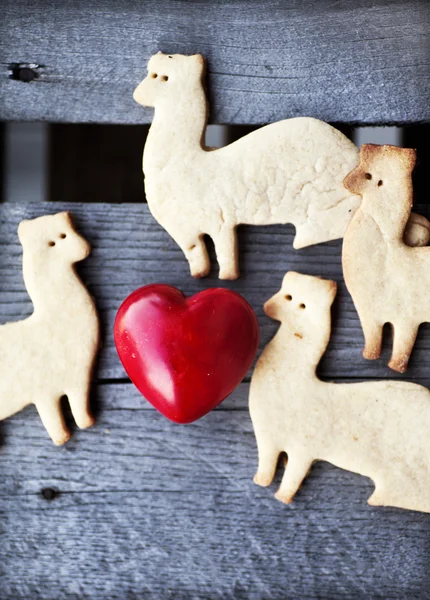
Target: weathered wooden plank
130,432
129,439
222,544
154,510
130,249
344,61
2,160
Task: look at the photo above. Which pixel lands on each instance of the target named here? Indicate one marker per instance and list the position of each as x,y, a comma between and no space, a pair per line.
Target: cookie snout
143,94
81,249
353,182
271,307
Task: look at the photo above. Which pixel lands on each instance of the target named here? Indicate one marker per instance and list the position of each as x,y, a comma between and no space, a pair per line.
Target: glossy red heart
185,355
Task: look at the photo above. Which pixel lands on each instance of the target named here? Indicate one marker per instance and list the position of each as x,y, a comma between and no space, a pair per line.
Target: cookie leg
408,491
372,339
227,253
79,404
52,418
404,340
377,499
307,235
388,491
295,472
197,255
267,461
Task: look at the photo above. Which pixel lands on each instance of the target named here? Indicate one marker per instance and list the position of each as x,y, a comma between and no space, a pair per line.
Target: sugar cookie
286,172
386,278
378,429
51,353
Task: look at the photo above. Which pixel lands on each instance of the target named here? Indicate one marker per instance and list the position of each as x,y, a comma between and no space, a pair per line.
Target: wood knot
25,72
49,493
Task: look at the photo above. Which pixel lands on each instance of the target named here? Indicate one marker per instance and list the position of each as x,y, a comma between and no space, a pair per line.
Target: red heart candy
185,355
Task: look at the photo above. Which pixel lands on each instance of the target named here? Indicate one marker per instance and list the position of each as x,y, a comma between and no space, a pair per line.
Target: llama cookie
287,172
378,429
51,353
389,282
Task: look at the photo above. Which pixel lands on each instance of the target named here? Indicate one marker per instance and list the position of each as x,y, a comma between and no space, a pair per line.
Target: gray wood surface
155,510
349,61
138,507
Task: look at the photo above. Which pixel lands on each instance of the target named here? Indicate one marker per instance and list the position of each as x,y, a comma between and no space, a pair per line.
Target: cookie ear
289,275
200,62
368,151
331,289
66,217
409,158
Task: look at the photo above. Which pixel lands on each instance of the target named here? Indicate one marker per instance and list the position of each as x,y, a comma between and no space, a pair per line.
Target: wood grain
144,508
352,62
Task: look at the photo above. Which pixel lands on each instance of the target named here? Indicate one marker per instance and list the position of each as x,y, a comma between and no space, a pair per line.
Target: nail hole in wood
288,297
368,176
25,72
49,493
380,182
51,244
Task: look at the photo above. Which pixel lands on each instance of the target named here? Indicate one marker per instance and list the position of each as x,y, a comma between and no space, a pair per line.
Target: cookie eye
380,182
288,297
51,243
154,75
368,176
164,78
302,306
63,236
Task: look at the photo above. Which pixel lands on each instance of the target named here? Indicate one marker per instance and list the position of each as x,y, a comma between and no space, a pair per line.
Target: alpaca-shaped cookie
52,352
287,172
377,429
389,282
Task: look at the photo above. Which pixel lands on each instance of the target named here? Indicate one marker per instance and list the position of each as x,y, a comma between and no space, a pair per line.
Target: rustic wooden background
138,507
345,61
